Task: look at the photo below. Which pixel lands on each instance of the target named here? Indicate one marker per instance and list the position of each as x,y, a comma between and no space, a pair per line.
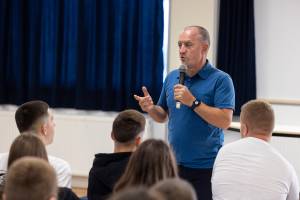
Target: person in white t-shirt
36,117
251,168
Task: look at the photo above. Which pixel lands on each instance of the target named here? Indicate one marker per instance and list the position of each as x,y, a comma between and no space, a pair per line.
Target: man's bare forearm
158,114
218,117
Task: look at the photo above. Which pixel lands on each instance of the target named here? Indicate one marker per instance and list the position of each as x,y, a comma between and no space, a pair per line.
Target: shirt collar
205,71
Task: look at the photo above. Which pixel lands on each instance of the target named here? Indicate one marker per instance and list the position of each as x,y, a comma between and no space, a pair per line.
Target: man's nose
182,49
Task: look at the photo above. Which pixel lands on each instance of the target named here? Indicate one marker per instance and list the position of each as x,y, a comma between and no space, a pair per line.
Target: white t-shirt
252,169
62,169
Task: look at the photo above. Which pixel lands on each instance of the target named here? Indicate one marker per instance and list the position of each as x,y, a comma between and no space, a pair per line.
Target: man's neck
124,148
264,137
194,70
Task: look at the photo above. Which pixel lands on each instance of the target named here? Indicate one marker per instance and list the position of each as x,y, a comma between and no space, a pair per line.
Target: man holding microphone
195,129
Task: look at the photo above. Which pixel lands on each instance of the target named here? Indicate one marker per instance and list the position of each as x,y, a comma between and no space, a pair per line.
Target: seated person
134,193
153,161
251,168
36,117
175,189
30,178
28,144
126,133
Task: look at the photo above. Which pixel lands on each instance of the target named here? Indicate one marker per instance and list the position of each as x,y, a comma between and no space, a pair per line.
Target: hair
151,162
29,114
127,125
175,189
30,178
26,144
2,183
134,193
259,117
203,33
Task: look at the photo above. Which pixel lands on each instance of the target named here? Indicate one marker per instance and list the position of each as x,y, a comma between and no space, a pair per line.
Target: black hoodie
106,171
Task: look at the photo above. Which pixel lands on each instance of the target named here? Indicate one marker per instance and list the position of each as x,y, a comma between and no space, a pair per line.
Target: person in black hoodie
126,133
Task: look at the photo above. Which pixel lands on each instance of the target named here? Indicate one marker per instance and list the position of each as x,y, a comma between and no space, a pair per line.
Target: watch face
196,102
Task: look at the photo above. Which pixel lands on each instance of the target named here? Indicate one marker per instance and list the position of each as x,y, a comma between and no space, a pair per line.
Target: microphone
182,72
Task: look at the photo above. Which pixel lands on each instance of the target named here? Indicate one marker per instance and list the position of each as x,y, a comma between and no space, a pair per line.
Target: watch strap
195,104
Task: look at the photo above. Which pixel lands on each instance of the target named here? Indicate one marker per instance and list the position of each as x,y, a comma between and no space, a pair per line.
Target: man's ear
112,136
205,47
244,130
138,140
43,129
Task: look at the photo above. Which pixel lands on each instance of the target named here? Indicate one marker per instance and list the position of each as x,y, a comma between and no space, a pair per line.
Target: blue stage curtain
236,47
85,54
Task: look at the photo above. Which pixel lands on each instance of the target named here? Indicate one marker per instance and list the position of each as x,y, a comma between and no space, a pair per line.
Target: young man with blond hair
251,168
30,178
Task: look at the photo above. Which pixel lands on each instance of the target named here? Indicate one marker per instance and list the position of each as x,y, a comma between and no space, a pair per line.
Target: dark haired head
127,125
29,114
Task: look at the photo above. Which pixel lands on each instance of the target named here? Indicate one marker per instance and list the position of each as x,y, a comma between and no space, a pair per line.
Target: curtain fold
236,47
85,54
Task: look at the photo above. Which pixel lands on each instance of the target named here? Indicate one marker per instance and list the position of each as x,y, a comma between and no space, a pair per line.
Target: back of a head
29,114
151,162
26,144
175,189
30,178
259,117
134,193
127,125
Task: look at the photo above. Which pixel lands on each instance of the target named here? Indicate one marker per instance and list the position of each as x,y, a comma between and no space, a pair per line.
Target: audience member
175,189
36,117
151,162
135,193
126,133
28,144
30,178
251,168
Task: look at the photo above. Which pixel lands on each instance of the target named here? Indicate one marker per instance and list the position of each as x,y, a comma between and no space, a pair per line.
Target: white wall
277,34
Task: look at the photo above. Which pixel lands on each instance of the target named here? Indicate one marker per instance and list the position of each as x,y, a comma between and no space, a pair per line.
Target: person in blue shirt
195,131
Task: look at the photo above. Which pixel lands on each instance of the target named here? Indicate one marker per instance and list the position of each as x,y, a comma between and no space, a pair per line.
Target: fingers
145,91
138,98
145,102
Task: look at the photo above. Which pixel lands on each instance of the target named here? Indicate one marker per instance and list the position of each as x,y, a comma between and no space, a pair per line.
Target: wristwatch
195,104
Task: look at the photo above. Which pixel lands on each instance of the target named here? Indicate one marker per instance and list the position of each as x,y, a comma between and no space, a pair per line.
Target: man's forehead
188,35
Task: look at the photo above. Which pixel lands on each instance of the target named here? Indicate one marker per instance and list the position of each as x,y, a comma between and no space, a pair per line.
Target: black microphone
182,72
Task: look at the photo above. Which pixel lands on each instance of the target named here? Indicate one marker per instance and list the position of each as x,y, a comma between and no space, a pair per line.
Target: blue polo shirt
194,141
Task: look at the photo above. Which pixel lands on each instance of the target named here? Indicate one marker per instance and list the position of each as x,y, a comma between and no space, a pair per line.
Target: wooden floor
80,191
